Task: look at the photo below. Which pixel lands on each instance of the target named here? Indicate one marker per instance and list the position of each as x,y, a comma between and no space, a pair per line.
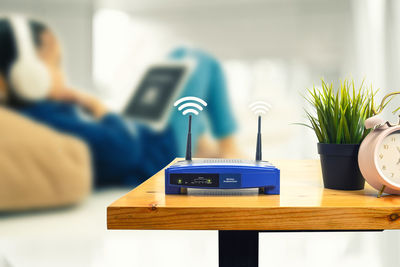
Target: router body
222,174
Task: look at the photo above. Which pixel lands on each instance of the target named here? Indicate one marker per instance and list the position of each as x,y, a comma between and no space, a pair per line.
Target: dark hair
8,49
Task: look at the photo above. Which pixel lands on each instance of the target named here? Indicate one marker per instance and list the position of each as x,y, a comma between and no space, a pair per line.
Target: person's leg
208,83
222,121
197,85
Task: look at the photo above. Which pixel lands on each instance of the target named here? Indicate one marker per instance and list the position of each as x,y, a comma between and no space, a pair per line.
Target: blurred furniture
39,167
304,205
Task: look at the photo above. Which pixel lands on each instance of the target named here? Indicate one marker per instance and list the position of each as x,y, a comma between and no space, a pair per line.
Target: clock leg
381,191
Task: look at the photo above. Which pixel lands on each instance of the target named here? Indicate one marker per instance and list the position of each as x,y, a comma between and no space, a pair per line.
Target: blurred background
270,50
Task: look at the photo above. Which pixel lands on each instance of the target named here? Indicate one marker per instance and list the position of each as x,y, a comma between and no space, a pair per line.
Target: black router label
195,179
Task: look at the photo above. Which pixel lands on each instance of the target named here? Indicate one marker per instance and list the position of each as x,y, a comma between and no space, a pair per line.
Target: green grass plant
338,115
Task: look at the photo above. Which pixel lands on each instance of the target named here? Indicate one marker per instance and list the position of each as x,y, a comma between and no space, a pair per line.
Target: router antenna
258,147
189,141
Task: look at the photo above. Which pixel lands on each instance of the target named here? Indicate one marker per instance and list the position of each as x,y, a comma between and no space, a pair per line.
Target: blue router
222,173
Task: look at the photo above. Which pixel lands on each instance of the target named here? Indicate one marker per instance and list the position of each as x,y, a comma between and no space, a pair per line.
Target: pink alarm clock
379,156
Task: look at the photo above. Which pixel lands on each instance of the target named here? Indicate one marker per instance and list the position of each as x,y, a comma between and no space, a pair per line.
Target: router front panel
222,174
195,179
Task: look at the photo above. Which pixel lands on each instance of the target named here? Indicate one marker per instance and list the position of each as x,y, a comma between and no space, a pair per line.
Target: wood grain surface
302,205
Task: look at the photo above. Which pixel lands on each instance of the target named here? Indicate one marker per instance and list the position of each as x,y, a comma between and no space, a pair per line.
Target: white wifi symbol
260,107
190,107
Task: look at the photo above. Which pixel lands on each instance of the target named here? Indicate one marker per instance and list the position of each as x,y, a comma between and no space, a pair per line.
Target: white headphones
28,75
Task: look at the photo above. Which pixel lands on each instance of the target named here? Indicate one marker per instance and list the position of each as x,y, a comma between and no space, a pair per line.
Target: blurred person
123,152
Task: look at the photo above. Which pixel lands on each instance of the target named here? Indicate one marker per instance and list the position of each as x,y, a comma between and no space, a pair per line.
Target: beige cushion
40,167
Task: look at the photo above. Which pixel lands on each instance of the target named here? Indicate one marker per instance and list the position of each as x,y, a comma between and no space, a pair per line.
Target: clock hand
398,149
398,162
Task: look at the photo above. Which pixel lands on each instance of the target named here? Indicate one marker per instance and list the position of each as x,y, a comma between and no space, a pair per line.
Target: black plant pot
339,163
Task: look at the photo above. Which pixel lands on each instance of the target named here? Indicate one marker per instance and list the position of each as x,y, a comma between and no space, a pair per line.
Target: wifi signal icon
260,107
192,105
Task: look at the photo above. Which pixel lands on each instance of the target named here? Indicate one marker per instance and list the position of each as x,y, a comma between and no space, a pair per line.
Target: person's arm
86,101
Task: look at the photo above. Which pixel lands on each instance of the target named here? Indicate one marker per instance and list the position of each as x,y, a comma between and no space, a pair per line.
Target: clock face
388,157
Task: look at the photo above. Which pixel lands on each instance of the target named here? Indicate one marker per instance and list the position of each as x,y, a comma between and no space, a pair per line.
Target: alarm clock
379,155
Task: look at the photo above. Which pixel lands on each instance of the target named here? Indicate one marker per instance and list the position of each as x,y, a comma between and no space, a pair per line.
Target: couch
40,167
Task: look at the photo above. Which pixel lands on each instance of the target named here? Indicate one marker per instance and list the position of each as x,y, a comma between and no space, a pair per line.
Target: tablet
161,84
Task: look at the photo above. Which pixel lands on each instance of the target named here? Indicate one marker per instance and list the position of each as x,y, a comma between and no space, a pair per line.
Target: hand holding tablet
152,101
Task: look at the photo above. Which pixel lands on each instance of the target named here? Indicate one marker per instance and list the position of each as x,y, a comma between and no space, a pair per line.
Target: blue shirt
123,153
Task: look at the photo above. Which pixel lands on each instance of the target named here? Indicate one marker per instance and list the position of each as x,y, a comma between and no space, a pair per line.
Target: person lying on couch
123,153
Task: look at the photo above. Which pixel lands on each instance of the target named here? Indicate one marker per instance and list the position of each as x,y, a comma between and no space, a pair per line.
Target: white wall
72,21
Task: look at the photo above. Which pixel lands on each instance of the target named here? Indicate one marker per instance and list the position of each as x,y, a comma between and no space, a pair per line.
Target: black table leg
238,248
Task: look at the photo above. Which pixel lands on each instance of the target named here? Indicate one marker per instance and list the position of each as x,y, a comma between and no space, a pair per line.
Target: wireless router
222,173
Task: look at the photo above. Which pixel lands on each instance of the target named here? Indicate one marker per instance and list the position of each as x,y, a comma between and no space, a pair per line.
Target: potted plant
338,121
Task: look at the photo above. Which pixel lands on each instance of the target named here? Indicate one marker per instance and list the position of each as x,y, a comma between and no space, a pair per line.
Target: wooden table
303,205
